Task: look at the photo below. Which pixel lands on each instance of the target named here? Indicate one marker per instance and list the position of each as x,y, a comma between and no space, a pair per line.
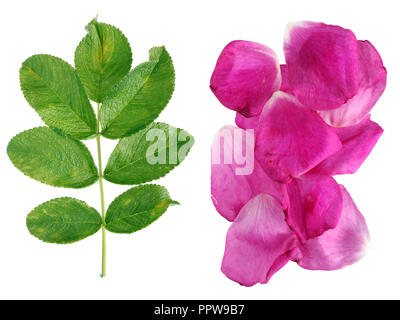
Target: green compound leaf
102,59
148,154
52,157
63,220
136,208
139,97
53,89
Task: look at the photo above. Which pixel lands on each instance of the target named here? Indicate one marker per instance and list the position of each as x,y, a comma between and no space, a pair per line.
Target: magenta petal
251,122
342,246
230,190
291,139
246,123
315,204
258,243
322,64
285,87
372,79
245,76
357,143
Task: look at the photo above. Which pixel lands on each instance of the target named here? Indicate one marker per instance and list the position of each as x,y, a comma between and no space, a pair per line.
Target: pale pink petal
230,188
372,80
246,122
322,64
315,204
357,143
342,246
245,76
258,243
292,139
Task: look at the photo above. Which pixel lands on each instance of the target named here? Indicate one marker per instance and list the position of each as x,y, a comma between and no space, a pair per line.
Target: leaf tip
174,203
92,22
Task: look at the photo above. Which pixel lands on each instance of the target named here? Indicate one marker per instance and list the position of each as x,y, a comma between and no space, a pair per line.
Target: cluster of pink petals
311,122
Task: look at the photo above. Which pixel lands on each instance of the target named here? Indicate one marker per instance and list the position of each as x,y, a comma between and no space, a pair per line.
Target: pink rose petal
245,122
340,247
258,243
245,76
372,79
292,139
315,204
357,143
322,64
251,122
229,190
285,80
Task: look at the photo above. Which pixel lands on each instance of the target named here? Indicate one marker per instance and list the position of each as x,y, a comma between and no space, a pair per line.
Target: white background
179,256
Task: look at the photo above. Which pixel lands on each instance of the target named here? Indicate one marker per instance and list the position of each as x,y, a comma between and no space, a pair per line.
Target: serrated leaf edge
73,111
87,35
61,198
61,132
144,181
142,186
103,131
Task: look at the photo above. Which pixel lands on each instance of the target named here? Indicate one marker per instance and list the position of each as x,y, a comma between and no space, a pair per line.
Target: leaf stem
103,226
